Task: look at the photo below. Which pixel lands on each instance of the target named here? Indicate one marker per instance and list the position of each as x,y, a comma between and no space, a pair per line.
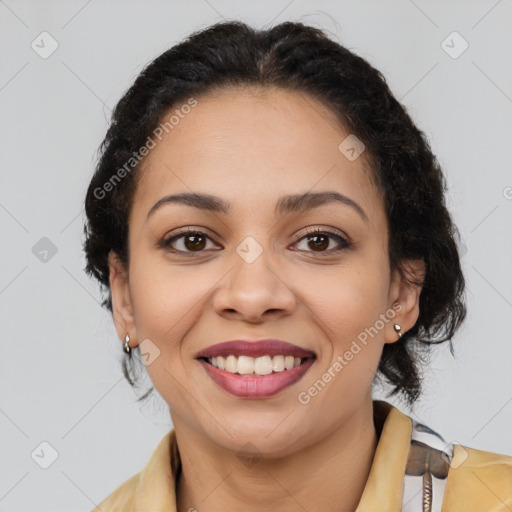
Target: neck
328,475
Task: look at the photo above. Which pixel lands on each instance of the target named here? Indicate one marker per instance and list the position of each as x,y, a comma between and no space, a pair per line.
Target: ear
122,309
406,298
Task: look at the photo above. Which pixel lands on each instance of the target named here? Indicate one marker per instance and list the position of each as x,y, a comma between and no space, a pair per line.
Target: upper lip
255,348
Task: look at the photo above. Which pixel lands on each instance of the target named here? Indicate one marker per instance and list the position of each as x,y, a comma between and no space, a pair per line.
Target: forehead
249,144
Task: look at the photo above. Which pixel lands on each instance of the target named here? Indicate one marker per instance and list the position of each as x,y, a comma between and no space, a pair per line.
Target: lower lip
256,386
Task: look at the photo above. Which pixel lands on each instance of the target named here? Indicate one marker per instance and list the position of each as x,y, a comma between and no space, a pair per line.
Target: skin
251,146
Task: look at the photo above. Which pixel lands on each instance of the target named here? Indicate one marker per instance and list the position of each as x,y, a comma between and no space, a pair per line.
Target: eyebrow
285,205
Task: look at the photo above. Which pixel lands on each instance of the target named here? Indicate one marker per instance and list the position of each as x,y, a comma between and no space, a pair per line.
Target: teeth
245,365
231,364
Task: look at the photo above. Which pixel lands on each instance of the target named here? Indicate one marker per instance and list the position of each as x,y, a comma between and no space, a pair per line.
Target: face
257,270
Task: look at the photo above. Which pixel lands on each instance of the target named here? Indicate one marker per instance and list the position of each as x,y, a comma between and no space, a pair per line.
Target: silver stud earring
397,329
127,347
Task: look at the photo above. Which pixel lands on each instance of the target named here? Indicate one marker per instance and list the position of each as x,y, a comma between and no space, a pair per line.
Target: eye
318,239
191,241
195,241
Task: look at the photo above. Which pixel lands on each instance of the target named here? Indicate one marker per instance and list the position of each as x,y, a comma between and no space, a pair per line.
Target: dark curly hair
297,57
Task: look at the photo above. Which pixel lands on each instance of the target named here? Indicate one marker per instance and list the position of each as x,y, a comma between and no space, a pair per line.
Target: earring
397,329
126,347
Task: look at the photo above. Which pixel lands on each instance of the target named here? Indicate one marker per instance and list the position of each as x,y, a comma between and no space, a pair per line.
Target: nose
251,292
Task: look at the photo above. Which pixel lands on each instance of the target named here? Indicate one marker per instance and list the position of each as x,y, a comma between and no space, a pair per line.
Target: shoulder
122,499
450,476
478,480
153,487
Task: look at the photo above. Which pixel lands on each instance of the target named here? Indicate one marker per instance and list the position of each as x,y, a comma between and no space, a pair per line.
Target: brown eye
318,241
194,242
189,241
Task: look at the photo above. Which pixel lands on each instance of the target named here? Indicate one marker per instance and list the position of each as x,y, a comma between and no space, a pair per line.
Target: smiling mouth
256,366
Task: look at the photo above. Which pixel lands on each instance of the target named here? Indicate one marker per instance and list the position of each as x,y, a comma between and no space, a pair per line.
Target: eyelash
345,244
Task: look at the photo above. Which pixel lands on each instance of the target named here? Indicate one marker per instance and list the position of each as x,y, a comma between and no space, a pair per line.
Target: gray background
60,376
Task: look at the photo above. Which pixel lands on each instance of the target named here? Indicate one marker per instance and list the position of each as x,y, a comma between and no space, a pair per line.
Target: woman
271,229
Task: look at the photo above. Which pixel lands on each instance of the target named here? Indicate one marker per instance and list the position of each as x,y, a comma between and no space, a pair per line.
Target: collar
413,470
156,485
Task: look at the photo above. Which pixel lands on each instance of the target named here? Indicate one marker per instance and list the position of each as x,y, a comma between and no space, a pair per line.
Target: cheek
164,312
348,300
163,296
156,308
168,304
350,315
